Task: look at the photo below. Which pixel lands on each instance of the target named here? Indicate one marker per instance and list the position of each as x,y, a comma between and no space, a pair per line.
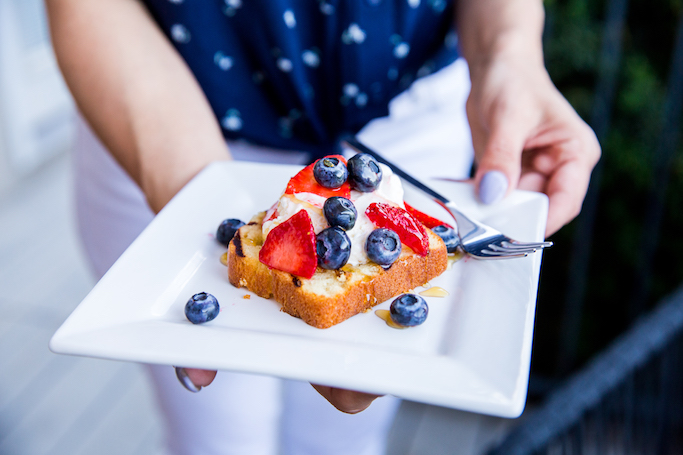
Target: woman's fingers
347,401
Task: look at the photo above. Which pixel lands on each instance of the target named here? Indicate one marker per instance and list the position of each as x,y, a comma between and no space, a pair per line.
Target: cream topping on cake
290,204
389,191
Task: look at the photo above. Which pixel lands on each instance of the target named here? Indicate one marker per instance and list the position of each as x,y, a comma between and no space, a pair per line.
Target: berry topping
271,213
202,307
290,246
226,230
330,172
383,246
448,236
340,211
409,310
411,232
425,219
333,247
364,173
304,182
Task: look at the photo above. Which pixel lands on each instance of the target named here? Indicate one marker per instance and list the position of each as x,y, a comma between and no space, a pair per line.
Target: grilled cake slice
330,296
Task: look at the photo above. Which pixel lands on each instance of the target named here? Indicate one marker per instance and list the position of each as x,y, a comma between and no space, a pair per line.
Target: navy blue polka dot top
297,74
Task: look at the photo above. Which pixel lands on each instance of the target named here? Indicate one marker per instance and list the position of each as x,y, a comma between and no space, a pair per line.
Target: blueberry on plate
449,237
341,212
364,173
333,247
330,172
409,310
226,230
202,307
383,246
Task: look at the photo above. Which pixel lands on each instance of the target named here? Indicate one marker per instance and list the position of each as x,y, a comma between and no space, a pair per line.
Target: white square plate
472,353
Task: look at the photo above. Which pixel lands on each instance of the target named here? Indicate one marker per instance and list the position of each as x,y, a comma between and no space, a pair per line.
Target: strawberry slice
425,219
290,246
304,182
271,213
411,232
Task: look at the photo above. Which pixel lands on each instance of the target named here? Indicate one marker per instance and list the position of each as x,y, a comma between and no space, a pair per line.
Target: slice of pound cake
339,241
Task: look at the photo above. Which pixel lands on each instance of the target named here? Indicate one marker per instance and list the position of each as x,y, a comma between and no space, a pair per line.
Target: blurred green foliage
573,40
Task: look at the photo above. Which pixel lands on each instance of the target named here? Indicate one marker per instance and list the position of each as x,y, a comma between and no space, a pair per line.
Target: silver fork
476,239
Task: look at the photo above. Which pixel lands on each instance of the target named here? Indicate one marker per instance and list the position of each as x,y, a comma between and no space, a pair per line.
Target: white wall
36,110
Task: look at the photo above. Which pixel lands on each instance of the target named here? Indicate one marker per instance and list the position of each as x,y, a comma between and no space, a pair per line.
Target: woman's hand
527,136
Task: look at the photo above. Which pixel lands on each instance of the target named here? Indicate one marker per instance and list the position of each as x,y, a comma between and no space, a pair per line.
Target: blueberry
330,172
409,310
201,308
383,246
226,230
449,237
341,212
333,247
364,173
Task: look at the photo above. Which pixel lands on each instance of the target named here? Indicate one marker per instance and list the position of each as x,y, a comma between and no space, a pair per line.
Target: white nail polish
492,187
185,380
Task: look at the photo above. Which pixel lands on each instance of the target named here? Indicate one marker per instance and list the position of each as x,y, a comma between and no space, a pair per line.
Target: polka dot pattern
296,75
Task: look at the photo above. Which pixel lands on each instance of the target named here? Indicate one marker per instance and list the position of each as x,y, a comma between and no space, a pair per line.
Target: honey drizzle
455,257
224,259
386,316
434,291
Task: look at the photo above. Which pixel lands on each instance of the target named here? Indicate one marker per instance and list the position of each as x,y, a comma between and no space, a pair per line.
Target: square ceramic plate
472,353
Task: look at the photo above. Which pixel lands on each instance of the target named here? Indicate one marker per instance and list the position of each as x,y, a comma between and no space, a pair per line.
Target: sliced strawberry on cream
287,206
304,182
271,213
411,232
425,219
290,246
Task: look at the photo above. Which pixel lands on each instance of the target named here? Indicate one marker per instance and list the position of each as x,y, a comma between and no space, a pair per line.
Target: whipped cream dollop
389,191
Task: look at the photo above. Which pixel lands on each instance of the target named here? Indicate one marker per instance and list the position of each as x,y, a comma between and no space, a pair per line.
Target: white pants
248,414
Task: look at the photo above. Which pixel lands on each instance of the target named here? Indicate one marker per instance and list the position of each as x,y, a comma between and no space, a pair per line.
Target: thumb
500,163
344,400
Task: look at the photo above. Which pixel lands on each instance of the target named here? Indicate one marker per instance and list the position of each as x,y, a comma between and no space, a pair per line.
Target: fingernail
492,187
185,380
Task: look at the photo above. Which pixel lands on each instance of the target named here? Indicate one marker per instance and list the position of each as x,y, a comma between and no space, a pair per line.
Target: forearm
136,93
491,29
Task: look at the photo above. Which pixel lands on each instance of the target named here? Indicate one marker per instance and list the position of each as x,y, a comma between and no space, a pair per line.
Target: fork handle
467,228
357,146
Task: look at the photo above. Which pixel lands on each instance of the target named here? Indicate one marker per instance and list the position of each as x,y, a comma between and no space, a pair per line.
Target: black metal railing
600,120
628,400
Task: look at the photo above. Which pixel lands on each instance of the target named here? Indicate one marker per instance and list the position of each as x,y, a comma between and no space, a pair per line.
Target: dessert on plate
338,241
